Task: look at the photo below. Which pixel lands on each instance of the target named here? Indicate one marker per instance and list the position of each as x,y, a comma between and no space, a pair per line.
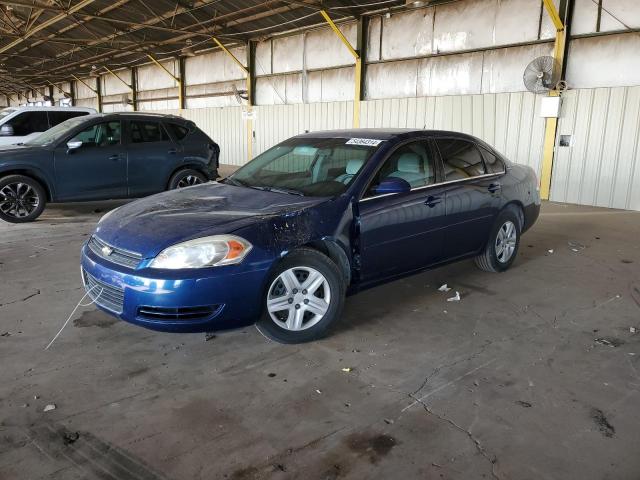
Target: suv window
461,159
493,163
100,135
146,132
27,123
58,117
412,162
178,130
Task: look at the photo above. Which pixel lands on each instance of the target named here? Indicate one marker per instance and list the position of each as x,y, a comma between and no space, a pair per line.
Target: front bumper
199,300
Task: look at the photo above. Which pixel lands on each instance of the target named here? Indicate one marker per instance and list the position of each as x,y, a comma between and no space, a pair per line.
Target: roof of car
51,109
136,115
383,133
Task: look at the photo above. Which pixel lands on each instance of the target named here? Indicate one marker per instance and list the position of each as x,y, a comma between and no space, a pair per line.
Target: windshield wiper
234,181
290,191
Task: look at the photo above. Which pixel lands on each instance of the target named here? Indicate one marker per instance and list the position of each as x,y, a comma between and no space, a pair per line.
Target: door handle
494,187
115,157
432,201
172,151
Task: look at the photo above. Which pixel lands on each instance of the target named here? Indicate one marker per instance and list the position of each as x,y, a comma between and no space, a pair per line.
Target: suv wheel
304,297
186,178
22,199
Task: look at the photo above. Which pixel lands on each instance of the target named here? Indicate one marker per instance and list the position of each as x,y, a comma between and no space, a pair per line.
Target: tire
22,199
290,317
186,178
502,248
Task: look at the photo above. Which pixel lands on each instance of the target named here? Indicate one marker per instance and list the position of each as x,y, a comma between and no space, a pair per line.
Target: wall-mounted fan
541,75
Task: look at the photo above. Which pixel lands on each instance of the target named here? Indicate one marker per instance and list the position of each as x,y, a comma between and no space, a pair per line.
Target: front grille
103,294
113,254
181,313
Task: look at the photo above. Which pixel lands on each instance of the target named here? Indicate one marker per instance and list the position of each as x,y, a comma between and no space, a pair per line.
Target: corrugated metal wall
602,166
226,126
508,121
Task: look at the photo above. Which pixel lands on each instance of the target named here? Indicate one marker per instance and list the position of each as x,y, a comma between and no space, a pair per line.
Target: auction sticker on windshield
367,142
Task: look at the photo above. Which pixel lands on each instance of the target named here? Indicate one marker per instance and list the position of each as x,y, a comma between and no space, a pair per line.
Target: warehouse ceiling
44,41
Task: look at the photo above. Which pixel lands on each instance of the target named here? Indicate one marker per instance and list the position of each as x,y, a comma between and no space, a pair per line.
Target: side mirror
392,185
74,144
6,130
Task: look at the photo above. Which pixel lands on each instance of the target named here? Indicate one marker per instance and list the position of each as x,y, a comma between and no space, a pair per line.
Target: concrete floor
534,374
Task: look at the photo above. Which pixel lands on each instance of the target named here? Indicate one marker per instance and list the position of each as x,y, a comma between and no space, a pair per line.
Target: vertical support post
361,62
559,53
251,95
134,88
250,83
358,67
99,92
53,102
182,84
178,81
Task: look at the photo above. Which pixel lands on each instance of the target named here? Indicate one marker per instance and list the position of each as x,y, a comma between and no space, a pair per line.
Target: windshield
321,167
6,111
56,133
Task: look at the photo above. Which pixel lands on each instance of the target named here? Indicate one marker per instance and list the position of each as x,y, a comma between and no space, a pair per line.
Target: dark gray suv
101,157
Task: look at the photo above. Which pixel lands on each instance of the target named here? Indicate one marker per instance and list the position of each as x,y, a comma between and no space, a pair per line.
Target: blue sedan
283,240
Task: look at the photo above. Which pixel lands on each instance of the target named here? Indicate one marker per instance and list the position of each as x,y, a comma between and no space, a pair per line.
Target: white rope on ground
79,304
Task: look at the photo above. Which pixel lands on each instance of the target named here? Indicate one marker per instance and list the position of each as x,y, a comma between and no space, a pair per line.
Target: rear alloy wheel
503,243
22,199
186,178
304,297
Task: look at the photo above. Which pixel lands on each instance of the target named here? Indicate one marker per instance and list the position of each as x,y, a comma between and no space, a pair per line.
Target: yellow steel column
177,80
551,123
358,69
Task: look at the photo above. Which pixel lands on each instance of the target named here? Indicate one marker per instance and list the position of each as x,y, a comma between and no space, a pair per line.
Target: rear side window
27,123
178,130
461,159
493,163
147,132
58,117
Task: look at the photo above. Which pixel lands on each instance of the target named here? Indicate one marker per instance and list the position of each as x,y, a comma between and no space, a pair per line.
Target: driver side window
412,162
100,135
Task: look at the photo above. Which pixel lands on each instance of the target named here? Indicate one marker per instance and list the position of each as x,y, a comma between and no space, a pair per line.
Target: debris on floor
524,404
444,288
318,391
603,424
575,246
49,407
455,298
609,342
550,250
633,330
347,369
5,334
388,421
271,375
209,336
70,437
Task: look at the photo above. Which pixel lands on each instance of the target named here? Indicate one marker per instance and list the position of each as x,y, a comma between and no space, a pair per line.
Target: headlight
203,252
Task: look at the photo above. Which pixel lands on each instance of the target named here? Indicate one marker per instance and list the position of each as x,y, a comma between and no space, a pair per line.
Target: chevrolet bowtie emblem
106,251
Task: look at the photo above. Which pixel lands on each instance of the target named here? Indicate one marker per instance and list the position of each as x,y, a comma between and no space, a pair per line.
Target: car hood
11,151
149,225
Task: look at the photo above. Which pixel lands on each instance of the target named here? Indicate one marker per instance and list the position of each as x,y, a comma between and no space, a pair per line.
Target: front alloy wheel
22,199
298,298
304,297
